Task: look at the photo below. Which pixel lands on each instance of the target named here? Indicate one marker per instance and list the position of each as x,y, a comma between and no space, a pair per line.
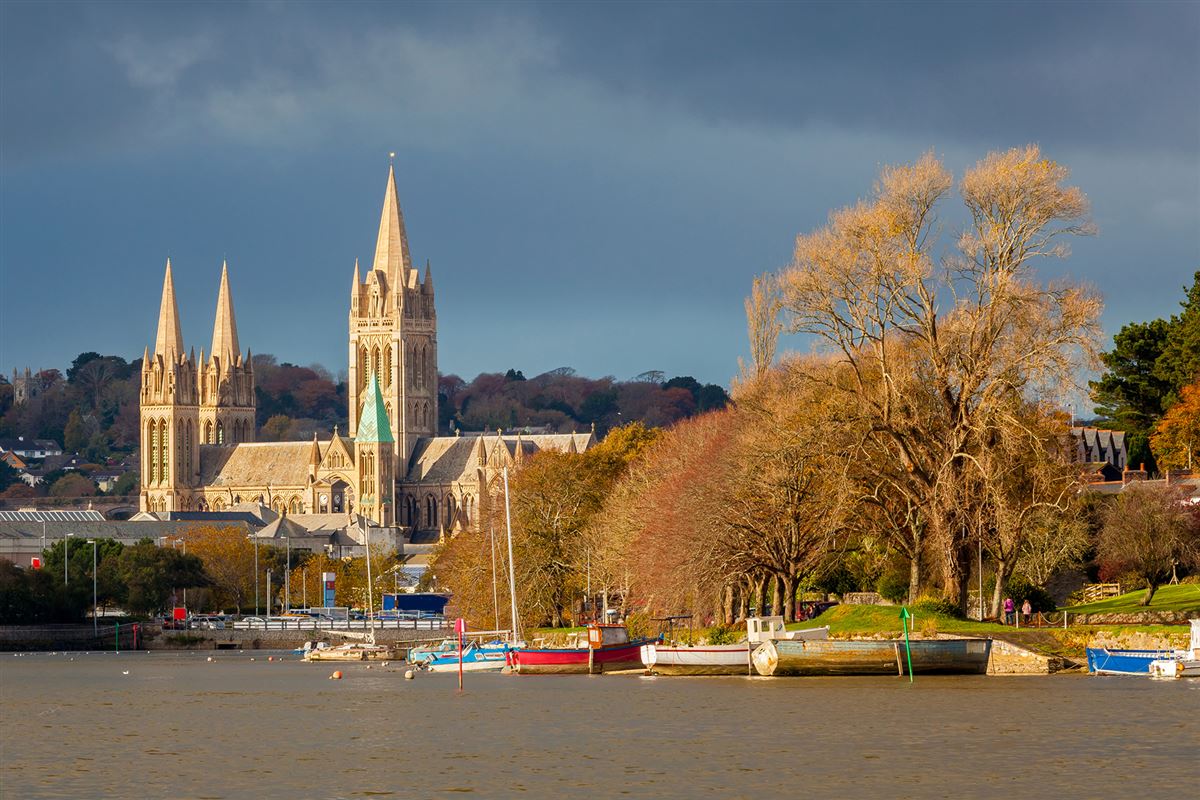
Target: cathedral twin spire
169,341
225,338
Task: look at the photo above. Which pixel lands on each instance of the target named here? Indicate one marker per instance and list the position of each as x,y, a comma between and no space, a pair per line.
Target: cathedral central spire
225,338
169,342
391,248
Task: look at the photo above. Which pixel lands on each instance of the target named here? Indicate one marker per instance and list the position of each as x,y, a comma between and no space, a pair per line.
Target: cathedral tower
226,379
374,458
393,337
169,414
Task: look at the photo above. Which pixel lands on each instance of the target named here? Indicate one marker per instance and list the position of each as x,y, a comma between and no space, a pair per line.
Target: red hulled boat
606,648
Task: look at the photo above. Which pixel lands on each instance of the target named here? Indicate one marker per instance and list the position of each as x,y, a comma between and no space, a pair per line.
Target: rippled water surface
177,726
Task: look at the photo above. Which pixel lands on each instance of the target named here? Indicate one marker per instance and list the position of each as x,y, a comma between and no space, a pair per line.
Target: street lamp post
255,574
268,593
287,578
95,629
184,543
304,586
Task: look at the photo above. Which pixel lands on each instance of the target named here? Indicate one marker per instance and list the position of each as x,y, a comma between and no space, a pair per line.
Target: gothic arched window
164,450
431,512
152,437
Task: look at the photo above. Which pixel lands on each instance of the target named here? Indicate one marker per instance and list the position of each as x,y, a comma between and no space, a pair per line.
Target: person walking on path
1010,611
1026,611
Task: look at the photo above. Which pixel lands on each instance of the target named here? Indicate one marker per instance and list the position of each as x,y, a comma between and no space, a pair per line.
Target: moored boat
722,659
872,657
1109,661
352,651
604,648
1184,663
715,659
476,657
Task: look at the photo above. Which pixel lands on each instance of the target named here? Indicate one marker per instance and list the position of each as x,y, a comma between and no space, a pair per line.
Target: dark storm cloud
1108,75
612,172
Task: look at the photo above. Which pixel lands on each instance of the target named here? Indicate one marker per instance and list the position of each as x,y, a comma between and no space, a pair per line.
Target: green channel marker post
904,618
117,638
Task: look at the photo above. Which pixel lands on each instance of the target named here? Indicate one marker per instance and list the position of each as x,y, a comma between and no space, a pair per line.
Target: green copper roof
373,424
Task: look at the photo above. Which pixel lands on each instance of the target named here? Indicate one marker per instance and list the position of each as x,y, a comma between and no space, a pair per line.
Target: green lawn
860,620
884,621
1182,597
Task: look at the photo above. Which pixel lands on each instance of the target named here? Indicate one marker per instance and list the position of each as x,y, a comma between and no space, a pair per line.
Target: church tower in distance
169,413
226,379
393,338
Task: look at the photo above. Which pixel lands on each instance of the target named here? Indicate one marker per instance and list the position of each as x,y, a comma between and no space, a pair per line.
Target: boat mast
512,576
370,586
495,592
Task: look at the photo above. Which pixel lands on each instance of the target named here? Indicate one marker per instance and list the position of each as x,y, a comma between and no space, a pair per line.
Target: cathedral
389,469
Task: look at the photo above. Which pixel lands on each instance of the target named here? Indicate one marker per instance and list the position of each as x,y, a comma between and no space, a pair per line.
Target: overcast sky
594,185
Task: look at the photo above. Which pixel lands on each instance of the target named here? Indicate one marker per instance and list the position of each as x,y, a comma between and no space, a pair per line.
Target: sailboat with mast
481,653
367,649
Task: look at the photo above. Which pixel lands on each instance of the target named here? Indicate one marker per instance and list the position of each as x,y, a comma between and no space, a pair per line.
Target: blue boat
1103,661
476,656
422,653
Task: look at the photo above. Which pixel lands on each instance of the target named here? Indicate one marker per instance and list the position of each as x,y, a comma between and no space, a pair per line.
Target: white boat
351,651
1185,663
722,659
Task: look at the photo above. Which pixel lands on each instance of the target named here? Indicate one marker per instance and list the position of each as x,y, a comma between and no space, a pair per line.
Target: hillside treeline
93,409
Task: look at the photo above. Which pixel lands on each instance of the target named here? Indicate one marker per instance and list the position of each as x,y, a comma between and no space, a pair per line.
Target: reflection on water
178,725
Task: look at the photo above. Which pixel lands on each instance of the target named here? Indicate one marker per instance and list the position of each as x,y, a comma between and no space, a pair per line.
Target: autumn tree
228,558
1176,437
553,497
763,323
73,484
1023,478
1149,530
787,493
939,344
652,541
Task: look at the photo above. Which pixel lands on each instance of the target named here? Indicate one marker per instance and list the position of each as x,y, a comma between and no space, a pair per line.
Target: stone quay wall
155,638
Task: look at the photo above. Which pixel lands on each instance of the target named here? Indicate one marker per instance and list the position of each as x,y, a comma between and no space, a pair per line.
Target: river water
174,725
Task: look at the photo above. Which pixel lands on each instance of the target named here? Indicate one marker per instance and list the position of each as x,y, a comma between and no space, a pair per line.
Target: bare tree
763,324
1148,531
938,345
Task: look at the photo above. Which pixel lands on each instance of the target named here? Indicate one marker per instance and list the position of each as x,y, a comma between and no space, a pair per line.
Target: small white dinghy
1185,663
722,659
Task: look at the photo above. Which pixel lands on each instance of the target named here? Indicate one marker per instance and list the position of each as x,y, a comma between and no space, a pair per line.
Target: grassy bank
1183,597
884,622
